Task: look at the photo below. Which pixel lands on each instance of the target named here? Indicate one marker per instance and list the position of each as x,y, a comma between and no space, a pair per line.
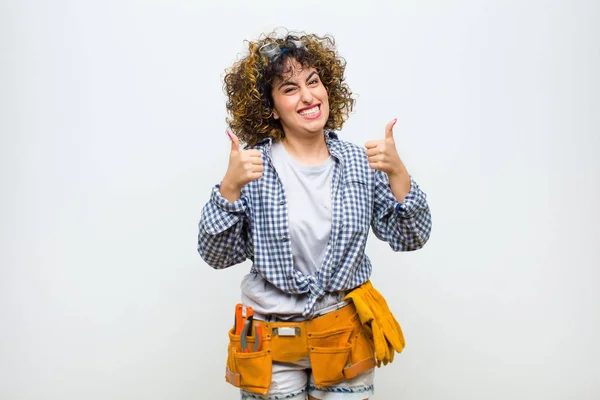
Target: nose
306,95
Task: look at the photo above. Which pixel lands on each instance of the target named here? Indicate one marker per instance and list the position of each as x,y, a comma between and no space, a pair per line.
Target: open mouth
312,112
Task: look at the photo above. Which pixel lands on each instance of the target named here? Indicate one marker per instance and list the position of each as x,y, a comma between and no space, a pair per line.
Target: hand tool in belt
238,321
242,313
257,336
247,317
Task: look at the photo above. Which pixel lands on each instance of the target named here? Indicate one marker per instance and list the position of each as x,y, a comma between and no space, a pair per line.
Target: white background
112,135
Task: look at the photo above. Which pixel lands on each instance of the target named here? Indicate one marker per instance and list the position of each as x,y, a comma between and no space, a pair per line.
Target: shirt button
284,238
281,202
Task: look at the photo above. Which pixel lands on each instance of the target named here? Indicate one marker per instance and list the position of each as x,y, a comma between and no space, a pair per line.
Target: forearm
400,182
230,191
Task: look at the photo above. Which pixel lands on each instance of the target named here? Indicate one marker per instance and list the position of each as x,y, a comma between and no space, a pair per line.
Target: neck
307,150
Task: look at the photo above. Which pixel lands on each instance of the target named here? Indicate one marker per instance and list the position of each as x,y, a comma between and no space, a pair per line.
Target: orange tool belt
337,344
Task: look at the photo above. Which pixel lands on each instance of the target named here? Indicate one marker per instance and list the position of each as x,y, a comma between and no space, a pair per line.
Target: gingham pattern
255,227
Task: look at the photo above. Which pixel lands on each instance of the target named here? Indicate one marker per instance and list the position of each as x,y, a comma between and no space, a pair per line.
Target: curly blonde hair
249,83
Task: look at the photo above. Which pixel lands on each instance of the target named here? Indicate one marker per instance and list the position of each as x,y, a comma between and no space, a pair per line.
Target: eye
313,81
289,90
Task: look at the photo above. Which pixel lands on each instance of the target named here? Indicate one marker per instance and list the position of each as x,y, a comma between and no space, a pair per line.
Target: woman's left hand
382,154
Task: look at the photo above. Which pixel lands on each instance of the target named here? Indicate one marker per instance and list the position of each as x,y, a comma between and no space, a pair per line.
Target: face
300,101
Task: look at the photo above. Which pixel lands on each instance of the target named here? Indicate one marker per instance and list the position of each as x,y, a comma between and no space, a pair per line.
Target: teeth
311,111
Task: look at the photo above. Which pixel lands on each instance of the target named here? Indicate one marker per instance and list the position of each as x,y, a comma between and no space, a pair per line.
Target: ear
275,113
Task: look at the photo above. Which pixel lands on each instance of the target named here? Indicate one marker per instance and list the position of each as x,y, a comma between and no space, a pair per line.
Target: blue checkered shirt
255,226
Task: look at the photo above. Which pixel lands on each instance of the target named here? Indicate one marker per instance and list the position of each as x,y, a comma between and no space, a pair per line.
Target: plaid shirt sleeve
224,237
405,226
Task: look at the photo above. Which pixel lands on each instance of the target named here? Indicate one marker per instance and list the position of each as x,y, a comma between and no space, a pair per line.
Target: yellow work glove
378,321
367,318
382,313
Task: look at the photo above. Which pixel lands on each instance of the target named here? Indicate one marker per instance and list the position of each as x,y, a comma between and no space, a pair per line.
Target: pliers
238,320
257,336
242,314
242,326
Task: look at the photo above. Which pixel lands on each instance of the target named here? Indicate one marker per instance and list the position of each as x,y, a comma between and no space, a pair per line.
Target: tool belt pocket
329,352
328,364
362,356
249,371
333,338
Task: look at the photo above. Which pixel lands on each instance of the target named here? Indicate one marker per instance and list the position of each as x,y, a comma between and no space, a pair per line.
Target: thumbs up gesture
382,154
244,166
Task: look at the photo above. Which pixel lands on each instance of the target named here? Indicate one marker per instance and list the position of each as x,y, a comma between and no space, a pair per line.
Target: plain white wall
112,135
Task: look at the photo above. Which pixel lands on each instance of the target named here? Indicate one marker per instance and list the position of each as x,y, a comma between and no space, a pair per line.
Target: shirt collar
331,139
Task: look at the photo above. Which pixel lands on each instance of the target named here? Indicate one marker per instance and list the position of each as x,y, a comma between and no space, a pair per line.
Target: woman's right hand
244,166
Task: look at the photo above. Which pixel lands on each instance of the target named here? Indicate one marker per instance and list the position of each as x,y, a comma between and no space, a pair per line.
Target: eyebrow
290,83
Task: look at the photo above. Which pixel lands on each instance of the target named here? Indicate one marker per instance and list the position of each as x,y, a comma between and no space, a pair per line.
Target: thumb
235,142
389,133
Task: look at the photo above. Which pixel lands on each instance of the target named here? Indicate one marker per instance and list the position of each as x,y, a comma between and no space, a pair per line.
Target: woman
298,201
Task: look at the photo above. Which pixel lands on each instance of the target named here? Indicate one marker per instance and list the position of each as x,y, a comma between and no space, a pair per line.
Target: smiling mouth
311,112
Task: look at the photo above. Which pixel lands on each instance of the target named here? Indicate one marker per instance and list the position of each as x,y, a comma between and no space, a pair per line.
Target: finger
256,160
251,174
372,143
250,168
254,153
374,165
235,142
373,151
256,175
389,133
376,158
